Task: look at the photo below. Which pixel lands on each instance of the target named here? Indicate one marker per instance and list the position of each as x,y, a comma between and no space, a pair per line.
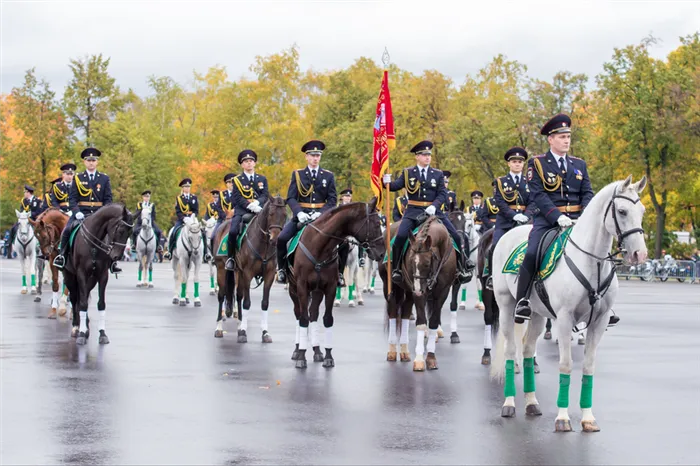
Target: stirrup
207,257
281,277
396,276
59,261
341,280
489,283
230,264
167,255
114,268
522,311
614,320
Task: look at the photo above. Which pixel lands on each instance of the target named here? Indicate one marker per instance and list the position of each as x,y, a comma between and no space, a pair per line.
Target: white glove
79,216
69,213
564,221
255,208
430,210
477,227
315,215
303,217
255,202
521,218
386,178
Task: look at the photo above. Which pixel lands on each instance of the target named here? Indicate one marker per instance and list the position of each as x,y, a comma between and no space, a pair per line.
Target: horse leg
392,314
406,308
548,332
421,327
73,296
356,285
243,300
454,337
338,296
314,311
23,269
82,309
195,280
433,326
184,279
150,269
479,293
54,292
38,279
490,319
302,294
564,325
534,330
504,357
176,279
139,278
328,360
102,309
212,283
269,279
593,336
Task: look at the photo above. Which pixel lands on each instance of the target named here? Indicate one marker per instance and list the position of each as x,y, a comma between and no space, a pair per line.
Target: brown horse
315,271
47,228
491,311
429,271
255,260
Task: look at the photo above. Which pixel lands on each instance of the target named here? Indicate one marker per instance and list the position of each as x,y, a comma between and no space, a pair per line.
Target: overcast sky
456,38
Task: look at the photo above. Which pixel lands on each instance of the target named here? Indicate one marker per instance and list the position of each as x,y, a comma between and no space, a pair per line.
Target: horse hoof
266,338
300,364
74,333
52,313
454,338
391,356
547,335
562,425
336,303
229,313
486,360
295,355
479,306
33,292
187,300
139,285
508,411
412,317
351,304
183,303
197,304
590,426
431,362
581,341
82,339
176,301
533,410
242,337
405,357
329,362
360,303
537,368
212,293
418,366
37,299
150,286
462,306
62,311
372,291
104,339
235,314
440,333
24,291
318,357
218,334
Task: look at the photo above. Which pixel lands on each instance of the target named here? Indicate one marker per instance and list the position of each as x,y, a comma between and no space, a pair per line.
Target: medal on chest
98,187
323,182
433,183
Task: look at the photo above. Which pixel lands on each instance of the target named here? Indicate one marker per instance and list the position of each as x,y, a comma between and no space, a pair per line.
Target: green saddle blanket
294,242
405,246
549,261
223,245
73,233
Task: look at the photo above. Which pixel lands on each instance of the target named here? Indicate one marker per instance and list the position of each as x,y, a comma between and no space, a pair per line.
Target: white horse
188,253
352,279
26,245
209,225
575,297
146,248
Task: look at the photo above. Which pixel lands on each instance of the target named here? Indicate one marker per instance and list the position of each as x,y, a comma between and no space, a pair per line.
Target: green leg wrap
140,274
529,375
481,299
24,280
183,290
373,278
211,282
587,392
150,275
464,294
509,387
33,280
196,290
564,382
351,290
63,289
337,293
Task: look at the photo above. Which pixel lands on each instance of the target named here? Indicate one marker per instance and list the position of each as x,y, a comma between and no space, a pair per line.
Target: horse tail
498,363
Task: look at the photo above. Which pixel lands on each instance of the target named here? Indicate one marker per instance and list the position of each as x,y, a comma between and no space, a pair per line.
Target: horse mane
104,213
425,229
49,214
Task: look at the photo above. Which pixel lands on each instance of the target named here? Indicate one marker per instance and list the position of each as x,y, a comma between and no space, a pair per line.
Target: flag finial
386,59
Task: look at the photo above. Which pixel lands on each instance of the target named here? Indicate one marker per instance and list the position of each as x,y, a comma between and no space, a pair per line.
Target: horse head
623,219
274,216
146,216
24,229
118,228
208,226
192,225
367,229
420,261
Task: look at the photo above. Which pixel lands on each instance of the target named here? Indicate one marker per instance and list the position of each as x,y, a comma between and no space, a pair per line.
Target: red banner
384,138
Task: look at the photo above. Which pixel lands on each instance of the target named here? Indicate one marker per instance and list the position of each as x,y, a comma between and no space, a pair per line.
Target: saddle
421,219
240,234
549,251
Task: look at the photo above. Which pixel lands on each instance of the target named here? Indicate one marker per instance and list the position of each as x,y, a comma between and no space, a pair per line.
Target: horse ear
373,204
641,184
461,205
626,183
428,242
17,213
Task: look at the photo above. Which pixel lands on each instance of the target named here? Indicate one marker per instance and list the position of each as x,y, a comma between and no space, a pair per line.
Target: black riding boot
159,248
231,261
396,275
464,274
343,251
487,268
522,306
172,244
205,243
60,260
281,266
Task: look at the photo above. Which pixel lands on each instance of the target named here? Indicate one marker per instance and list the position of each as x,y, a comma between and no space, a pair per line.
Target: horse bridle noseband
364,244
24,245
98,243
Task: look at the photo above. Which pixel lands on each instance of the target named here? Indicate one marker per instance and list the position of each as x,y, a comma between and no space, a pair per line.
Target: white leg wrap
244,321
530,399
329,338
487,337
101,319
432,336
83,321
392,331
220,325
420,343
313,331
296,337
404,331
453,321
303,338
54,299
563,413
263,321
587,414
510,401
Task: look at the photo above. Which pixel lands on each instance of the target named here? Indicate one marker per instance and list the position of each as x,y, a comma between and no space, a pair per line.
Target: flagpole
385,61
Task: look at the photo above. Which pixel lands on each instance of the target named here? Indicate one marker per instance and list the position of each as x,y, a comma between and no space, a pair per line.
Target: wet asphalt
165,391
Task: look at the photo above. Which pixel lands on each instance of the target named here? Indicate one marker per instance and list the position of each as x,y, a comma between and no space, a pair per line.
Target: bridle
265,233
101,245
431,280
29,233
192,249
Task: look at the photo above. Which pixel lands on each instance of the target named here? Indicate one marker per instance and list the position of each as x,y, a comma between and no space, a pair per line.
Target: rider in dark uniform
59,191
399,208
89,191
486,215
344,248
512,196
186,204
451,202
475,208
214,207
560,187
146,200
426,194
250,193
226,199
311,192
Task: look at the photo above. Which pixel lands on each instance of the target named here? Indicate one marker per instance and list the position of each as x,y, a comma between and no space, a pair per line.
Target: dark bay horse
315,271
47,228
99,242
491,311
256,259
429,271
